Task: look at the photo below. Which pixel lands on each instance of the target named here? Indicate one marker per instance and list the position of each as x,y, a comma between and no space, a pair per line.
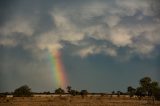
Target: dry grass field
76,101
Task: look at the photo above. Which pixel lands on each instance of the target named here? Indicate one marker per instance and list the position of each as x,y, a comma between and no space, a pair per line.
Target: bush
74,92
84,92
156,93
59,91
23,91
2,95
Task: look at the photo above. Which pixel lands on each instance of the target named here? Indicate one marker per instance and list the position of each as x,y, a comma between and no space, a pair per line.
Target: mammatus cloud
119,24
92,50
120,37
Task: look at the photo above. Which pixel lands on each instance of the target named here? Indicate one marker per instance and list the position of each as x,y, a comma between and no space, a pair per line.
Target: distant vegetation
71,91
146,88
59,91
23,91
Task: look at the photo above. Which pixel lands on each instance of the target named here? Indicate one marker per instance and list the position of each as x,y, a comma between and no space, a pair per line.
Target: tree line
146,87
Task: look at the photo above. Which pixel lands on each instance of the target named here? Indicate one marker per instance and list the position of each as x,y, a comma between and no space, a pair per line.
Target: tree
47,93
69,88
145,81
147,88
83,92
131,91
113,92
118,93
154,90
145,84
23,91
71,91
140,92
152,87
3,95
156,93
74,92
59,91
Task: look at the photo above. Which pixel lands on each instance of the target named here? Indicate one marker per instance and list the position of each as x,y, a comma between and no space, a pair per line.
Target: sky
105,45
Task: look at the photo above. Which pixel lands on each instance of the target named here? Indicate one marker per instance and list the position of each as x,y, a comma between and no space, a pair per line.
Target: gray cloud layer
123,23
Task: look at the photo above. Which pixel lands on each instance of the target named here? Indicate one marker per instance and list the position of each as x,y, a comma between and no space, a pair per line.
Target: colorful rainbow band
58,70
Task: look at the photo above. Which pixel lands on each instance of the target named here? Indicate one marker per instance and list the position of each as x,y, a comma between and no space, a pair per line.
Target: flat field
76,101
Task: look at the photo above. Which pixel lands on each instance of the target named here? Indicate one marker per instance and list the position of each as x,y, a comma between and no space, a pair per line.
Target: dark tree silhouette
156,93
23,91
83,93
118,93
147,88
140,92
71,91
59,91
131,91
145,84
69,88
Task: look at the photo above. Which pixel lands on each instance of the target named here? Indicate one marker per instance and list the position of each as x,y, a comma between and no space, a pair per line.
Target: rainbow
60,77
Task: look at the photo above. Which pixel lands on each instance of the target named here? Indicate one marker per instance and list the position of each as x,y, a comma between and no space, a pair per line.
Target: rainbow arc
60,77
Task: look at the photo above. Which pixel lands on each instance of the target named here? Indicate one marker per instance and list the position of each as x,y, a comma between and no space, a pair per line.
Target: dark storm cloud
27,9
155,7
5,10
50,22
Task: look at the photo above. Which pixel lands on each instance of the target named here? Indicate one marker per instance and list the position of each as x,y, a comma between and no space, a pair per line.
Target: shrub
59,91
84,92
23,91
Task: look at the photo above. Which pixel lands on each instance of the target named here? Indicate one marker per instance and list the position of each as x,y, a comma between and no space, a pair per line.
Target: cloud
130,8
8,42
120,24
112,20
18,25
95,49
120,37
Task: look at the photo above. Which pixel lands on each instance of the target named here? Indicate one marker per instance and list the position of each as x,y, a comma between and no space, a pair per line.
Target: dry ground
76,101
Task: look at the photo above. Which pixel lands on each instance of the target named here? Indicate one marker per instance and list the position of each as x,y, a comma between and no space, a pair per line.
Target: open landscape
79,52
147,94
